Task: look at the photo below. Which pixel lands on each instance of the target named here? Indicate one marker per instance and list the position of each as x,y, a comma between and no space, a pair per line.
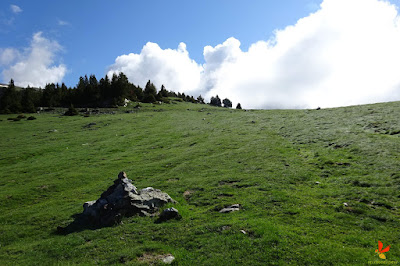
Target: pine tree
11,99
139,93
150,93
200,100
49,95
163,91
71,111
215,101
227,103
238,106
28,100
105,91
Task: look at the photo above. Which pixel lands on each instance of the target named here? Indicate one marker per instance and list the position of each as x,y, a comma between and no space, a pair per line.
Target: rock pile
124,199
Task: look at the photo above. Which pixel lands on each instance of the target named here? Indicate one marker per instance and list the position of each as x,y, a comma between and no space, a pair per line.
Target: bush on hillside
215,101
149,98
227,103
71,111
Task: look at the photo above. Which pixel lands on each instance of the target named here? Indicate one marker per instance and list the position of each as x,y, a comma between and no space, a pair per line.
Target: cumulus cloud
15,9
8,55
34,66
347,52
171,67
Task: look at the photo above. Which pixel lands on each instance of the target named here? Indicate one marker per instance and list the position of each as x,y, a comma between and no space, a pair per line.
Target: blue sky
94,33
87,37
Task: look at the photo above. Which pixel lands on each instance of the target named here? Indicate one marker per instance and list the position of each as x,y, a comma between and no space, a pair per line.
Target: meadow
317,187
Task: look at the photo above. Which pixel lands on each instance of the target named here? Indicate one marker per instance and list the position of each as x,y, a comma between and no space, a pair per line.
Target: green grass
206,158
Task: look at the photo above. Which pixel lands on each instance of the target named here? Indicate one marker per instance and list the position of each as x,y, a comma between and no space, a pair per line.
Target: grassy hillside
316,187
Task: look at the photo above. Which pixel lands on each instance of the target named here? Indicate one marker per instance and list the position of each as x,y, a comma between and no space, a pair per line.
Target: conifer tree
150,93
227,103
11,99
28,100
200,100
215,101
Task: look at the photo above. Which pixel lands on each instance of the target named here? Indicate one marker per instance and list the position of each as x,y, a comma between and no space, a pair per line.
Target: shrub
165,100
71,111
149,98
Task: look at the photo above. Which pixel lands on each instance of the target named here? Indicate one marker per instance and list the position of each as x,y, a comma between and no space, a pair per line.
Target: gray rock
168,214
232,208
123,199
168,259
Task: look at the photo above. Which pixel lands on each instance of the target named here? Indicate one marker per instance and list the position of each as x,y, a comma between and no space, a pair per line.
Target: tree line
91,93
216,101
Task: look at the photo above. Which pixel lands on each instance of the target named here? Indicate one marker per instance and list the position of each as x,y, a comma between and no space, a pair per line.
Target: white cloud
8,55
15,9
345,53
35,65
63,23
173,68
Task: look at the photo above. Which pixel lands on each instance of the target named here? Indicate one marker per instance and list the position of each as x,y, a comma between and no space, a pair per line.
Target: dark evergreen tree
71,111
79,92
139,93
150,93
65,96
49,97
238,106
200,100
171,94
163,91
227,103
94,92
159,96
115,98
105,91
149,98
215,101
28,100
11,99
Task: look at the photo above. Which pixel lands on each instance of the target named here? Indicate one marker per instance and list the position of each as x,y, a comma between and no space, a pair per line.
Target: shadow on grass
81,222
